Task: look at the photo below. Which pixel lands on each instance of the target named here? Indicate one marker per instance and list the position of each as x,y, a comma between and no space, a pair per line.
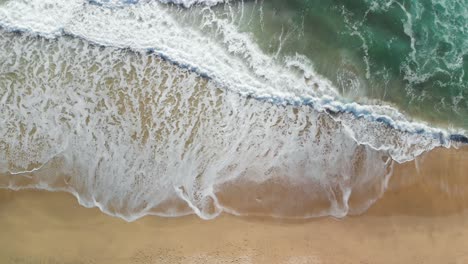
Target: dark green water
412,53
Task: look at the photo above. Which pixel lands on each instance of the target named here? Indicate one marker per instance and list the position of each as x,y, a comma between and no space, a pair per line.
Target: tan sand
422,218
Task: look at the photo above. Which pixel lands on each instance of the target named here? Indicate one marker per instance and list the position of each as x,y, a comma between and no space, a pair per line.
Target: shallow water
130,133
148,108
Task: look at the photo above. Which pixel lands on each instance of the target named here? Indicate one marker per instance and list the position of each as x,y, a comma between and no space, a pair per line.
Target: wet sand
422,218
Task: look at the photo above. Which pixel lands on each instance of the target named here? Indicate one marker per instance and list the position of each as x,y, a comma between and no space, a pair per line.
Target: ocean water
412,54
290,109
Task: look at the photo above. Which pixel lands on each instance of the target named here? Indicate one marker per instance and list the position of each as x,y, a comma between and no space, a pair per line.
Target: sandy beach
217,131
422,218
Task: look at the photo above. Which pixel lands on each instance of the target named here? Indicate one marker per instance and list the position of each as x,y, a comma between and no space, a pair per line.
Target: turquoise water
413,54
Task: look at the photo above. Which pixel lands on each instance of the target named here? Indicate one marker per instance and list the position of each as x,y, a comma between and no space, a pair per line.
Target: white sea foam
189,3
131,133
185,3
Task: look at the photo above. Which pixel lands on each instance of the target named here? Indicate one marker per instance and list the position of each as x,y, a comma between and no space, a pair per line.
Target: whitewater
145,107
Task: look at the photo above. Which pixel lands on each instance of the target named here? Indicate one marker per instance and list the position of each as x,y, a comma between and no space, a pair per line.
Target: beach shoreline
420,219
247,132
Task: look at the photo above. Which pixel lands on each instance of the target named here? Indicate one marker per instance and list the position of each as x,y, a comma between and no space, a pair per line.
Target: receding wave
145,110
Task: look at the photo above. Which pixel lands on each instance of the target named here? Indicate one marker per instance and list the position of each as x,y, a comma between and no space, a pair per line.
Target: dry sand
422,218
